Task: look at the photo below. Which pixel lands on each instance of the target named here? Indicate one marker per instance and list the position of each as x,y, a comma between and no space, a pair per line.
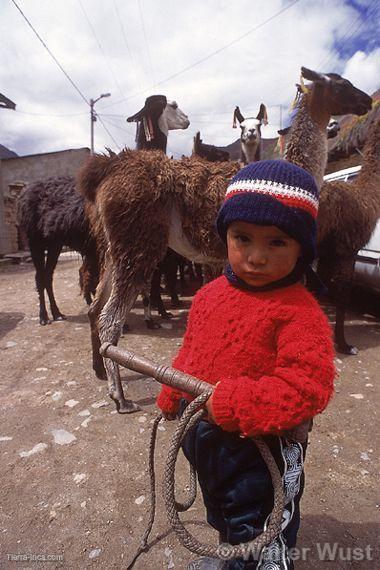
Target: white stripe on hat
275,189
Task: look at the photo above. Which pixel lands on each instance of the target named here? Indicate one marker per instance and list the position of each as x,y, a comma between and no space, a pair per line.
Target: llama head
173,118
333,129
336,94
156,119
251,126
208,151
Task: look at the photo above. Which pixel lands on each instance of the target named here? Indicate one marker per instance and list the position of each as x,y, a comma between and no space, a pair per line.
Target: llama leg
51,262
37,252
149,321
340,339
342,284
155,298
169,267
110,325
101,296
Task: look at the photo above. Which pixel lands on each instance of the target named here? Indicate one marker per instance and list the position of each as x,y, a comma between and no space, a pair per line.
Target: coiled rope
193,413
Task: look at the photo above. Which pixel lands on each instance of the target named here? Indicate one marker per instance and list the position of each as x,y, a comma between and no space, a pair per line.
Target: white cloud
261,67
364,70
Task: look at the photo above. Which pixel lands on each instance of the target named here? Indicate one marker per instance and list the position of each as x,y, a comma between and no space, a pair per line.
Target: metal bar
162,373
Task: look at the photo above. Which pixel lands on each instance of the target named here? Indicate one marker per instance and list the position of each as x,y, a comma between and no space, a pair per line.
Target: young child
262,340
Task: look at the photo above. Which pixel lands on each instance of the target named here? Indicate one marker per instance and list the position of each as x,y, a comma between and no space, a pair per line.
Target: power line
101,48
205,58
347,35
51,114
50,53
116,126
146,39
107,131
126,43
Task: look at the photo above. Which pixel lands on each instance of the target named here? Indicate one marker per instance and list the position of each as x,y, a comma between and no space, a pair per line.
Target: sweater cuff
222,405
168,401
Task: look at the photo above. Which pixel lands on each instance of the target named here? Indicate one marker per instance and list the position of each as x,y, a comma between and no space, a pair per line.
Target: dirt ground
74,472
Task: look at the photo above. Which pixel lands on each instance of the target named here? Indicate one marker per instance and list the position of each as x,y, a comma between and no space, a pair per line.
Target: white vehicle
367,266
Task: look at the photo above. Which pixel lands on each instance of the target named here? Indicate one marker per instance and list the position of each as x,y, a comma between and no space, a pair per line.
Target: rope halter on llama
194,412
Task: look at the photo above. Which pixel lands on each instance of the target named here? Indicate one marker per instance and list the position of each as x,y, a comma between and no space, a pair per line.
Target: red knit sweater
271,353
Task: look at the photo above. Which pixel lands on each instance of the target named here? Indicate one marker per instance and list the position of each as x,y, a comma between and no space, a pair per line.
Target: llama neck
158,142
368,181
371,157
307,146
250,152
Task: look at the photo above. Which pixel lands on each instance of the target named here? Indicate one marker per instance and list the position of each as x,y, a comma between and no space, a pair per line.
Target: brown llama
142,202
348,214
329,94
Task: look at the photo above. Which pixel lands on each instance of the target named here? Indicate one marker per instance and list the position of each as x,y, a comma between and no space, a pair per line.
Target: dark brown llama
348,214
328,94
163,202
159,202
51,212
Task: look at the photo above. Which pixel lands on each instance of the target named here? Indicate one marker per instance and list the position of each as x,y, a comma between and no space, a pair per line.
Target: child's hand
210,412
169,416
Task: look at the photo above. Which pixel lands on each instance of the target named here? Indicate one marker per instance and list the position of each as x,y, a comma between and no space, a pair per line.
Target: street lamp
93,117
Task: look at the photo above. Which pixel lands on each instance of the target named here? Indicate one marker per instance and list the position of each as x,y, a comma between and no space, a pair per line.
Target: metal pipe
162,373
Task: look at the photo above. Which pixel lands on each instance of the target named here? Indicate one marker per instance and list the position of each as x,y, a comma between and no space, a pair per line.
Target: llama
160,202
332,131
250,136
330,94
348,214
52,214
208,151
152,133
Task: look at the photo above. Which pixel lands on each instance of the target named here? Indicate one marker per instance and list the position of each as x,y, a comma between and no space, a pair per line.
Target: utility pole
93,117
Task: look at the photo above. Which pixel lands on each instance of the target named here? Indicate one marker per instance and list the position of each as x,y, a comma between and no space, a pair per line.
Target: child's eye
278,242
241,238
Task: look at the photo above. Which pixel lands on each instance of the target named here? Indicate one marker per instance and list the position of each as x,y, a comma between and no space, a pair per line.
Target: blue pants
238,493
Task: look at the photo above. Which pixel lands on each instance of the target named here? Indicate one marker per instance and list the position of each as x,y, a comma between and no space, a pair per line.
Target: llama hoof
44,322
100,372
167,316
60,318
151,324
348,349
126,407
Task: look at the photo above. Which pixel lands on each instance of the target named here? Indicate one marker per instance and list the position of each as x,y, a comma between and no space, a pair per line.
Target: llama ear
238,116
137,116
263,116
311,75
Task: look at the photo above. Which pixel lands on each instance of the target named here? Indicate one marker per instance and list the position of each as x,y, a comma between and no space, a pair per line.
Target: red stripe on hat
286,200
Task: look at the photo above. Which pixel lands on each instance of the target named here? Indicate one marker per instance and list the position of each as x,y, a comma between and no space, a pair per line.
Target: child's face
260,255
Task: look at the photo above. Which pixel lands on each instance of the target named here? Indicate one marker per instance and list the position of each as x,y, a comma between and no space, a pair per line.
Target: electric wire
124,35
50,53
101,48
146,40
107,131
210,55
349,34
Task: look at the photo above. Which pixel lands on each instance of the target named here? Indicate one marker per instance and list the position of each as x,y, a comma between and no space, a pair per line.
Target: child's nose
257,256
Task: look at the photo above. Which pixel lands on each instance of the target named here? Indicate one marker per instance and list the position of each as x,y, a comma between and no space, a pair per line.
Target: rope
191,416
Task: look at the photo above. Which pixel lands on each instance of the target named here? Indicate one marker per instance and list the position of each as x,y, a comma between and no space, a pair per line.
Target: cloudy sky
208,55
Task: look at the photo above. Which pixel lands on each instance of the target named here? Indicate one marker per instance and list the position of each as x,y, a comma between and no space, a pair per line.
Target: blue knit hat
274,193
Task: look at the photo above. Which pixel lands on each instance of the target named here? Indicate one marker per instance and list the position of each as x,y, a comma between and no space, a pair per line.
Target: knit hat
273,193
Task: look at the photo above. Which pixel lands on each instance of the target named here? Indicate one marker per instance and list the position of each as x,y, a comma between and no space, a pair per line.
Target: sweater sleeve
168,399
299,387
